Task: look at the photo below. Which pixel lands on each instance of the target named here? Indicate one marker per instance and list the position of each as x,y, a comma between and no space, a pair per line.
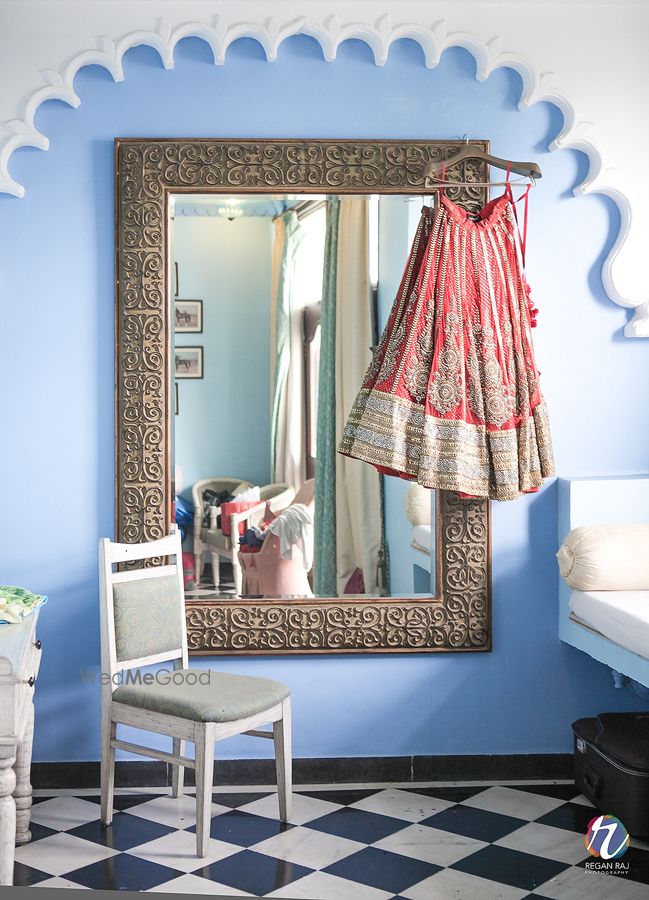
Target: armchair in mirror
254,281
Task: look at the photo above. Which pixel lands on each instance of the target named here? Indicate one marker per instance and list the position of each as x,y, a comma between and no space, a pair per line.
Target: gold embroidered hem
393,434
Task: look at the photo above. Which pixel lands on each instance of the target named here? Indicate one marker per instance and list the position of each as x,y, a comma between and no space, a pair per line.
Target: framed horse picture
188,316
188,362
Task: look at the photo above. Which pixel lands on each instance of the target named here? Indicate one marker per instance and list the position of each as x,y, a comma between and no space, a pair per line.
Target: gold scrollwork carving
459,617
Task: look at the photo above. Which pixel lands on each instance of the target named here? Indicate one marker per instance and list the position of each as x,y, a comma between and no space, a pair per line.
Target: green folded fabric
17,602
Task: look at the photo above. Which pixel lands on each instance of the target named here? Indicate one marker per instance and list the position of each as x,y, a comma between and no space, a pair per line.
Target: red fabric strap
442,179
508,187
525,198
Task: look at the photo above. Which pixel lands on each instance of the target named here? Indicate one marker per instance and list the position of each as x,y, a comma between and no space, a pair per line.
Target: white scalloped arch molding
584,56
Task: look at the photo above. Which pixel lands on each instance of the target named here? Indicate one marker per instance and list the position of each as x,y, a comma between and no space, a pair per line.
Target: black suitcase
612,766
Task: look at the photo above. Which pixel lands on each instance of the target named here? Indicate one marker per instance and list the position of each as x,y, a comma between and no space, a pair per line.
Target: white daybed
611,626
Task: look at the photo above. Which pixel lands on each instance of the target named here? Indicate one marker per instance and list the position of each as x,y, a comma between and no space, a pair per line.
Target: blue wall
56,280
223,424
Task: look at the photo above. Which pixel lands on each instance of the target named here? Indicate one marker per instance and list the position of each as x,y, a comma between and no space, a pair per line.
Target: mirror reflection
277,302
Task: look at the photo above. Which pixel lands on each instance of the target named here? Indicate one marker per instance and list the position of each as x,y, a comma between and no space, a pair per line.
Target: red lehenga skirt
451,399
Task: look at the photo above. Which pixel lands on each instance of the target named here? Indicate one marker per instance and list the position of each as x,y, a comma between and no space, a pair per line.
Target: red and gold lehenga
451,398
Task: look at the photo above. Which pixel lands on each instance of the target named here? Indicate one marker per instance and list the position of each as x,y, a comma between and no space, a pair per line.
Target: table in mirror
277,301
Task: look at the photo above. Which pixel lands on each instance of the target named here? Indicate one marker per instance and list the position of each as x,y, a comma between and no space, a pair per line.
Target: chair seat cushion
203,695
215,539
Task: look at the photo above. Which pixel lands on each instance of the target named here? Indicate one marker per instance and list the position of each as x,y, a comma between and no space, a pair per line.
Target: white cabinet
20,656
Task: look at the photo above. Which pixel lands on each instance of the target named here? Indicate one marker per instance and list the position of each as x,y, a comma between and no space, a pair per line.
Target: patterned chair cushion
224,699
147,617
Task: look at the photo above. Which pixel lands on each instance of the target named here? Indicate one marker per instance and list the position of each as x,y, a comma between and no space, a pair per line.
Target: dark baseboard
345,770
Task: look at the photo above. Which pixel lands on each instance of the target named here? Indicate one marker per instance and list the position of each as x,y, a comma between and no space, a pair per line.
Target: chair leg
216,577
107,777
178,772
284,761
204,744
237,573
198,562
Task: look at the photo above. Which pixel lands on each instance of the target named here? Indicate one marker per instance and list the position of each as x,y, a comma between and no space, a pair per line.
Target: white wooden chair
217,484
143,623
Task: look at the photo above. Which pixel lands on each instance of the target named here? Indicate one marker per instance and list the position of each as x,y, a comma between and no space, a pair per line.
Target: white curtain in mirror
288,463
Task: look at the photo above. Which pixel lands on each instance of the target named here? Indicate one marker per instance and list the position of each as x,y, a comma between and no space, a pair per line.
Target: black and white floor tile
205,590
454,842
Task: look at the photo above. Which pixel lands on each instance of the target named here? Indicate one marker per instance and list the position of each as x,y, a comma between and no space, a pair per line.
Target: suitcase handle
592,781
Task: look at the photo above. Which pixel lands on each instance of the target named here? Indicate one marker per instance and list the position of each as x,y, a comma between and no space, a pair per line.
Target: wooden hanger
470,151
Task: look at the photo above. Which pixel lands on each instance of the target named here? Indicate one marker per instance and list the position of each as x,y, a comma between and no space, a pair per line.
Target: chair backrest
306,494
278,496
218,484
142,611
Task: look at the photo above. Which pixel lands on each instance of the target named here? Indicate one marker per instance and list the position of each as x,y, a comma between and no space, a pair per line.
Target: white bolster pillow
417,503
606,558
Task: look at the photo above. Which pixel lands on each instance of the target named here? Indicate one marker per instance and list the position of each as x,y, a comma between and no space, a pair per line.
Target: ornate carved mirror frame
147,173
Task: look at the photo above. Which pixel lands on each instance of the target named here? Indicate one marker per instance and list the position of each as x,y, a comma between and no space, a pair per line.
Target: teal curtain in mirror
290,234
324,574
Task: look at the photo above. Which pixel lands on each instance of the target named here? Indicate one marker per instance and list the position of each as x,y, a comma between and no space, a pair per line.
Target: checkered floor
205,590
478,842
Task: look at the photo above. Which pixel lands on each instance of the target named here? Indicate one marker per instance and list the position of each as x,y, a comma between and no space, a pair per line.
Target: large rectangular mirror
254,279
249,395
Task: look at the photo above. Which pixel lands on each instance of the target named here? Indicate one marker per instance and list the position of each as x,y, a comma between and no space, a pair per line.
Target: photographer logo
607,840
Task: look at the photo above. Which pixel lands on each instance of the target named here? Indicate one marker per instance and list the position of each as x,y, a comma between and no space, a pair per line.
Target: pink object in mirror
268,574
